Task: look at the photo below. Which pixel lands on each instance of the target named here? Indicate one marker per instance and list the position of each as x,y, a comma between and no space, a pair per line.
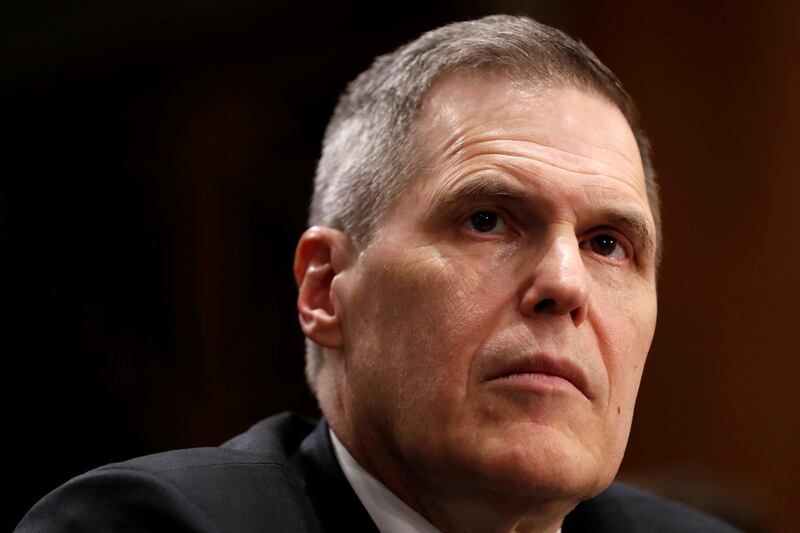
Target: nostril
545,304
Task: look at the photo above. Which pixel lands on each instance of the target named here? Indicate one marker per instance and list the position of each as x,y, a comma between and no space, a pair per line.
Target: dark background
155,166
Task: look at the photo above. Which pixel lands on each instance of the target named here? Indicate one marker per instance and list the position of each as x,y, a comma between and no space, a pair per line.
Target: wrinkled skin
526,234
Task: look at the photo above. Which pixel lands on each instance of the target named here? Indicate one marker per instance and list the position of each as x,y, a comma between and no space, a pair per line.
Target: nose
559,282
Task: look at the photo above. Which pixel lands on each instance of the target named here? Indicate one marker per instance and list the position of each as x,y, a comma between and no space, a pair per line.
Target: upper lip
545,364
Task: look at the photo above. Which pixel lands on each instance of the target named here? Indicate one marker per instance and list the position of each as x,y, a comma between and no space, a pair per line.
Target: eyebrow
484,189
636,224
475,190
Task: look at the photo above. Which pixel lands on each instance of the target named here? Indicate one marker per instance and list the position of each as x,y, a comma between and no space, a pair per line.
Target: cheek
420,321
625,323
624,329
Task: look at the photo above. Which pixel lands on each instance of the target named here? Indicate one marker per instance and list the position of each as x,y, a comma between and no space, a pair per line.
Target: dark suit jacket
281,475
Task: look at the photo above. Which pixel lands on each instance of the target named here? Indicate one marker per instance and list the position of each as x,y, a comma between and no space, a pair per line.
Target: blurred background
155,166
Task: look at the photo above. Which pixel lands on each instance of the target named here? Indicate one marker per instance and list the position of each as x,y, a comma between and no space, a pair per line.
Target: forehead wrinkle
462,137
634,166
447,112
445,118
521,168
460,149
478,187
544,137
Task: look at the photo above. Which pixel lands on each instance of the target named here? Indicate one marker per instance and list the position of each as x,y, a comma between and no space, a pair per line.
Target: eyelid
503,218
622,240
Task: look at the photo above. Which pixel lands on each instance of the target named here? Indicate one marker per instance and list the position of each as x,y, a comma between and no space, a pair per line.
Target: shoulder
622,507
243,485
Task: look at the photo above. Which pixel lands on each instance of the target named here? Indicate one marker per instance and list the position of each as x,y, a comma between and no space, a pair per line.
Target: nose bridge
561,256
559,282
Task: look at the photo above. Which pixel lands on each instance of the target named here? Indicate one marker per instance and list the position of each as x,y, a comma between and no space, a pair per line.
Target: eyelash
584,244
502,218
628,250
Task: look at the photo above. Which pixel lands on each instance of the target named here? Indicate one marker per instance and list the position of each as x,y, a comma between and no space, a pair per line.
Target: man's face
496,328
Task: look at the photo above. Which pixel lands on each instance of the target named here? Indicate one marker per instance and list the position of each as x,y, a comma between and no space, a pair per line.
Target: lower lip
536,382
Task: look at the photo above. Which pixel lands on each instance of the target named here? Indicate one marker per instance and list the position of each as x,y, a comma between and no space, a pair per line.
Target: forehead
563,135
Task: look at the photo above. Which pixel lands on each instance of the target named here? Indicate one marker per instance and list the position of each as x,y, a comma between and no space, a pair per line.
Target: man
478,290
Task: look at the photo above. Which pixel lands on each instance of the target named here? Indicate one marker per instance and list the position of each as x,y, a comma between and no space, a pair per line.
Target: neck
465,508
450,505
459,506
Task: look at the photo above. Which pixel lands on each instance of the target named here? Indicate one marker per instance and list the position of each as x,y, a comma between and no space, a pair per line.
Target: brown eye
483,221
487,222
607,246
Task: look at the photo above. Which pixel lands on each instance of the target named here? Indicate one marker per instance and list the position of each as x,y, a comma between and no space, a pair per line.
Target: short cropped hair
369,155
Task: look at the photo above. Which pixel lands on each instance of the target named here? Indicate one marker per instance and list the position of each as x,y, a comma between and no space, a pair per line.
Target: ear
322,253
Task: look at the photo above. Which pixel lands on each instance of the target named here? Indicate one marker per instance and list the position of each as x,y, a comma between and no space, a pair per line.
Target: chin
546,465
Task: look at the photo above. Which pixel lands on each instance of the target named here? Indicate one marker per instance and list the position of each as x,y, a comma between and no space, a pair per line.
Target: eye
485,222
607,246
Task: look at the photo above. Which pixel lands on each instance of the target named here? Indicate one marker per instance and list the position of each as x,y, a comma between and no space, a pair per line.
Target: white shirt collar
389,513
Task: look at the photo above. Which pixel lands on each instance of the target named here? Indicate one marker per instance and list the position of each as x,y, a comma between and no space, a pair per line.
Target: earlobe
322,254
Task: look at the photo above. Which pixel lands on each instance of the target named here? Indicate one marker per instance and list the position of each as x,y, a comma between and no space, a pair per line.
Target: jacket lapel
336,504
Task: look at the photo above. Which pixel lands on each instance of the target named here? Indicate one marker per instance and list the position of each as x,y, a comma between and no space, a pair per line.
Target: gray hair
368,153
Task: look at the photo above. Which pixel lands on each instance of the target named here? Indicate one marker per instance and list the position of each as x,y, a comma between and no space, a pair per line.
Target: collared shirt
389,513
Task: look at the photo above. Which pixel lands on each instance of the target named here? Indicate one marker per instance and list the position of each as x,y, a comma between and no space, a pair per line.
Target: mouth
542,372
